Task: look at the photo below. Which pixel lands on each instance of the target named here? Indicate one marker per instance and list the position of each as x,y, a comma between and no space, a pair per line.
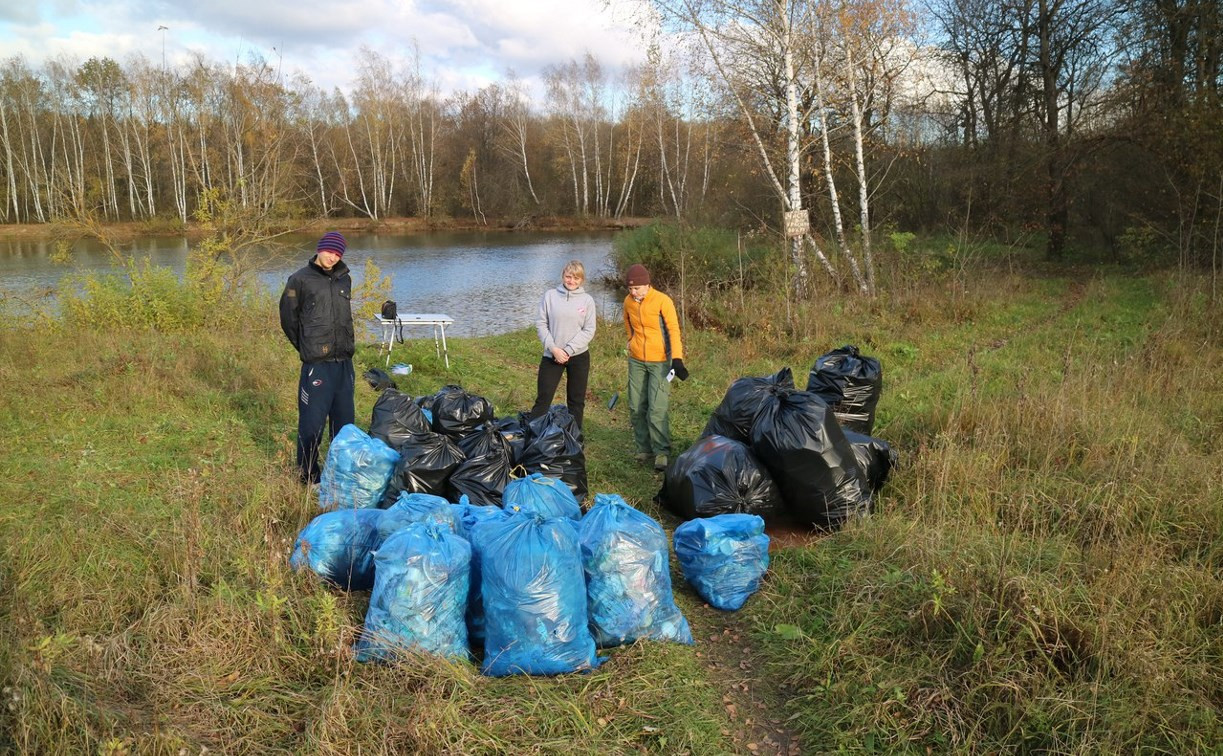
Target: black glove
681,372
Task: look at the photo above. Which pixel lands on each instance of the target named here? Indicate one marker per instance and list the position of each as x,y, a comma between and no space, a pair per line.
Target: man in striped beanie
316,316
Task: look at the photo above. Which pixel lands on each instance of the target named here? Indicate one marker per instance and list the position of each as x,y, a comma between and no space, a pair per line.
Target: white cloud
463,43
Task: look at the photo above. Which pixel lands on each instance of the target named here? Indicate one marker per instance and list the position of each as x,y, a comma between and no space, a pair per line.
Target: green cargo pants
649,397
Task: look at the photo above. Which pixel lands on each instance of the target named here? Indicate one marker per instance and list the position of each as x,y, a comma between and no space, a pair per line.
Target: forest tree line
1090,122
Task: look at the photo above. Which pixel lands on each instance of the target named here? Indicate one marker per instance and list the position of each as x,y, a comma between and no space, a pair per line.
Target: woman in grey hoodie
565,324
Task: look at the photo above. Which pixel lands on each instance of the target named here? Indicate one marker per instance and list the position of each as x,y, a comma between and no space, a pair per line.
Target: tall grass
1042,573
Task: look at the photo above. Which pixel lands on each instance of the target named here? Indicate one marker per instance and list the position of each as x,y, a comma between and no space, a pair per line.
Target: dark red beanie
637,275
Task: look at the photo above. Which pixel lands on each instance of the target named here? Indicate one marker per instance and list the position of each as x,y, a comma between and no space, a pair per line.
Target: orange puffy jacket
653,328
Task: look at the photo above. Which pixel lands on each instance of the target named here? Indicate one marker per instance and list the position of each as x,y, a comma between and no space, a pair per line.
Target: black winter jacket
316,312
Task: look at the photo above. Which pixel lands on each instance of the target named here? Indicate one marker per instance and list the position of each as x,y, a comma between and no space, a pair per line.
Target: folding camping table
439,323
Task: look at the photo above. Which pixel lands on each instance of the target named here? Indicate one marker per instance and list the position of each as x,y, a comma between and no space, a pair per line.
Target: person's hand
681,372
559,356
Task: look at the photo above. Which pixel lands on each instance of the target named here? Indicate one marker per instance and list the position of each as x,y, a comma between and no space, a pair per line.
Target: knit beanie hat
333,241
637,275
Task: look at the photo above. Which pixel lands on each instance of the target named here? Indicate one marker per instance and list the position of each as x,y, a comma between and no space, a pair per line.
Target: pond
489,282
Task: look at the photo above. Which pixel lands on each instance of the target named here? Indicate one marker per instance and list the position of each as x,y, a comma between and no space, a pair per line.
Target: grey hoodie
566,319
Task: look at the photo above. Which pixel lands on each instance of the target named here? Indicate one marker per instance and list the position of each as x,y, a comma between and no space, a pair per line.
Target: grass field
1044,572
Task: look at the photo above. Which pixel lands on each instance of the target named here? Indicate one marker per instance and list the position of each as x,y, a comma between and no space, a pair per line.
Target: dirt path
754,703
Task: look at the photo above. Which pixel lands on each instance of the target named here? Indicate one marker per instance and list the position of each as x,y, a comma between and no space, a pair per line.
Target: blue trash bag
356,470
470,515
541,495
723,557
420,595
628,579
412,508
534,597
338,547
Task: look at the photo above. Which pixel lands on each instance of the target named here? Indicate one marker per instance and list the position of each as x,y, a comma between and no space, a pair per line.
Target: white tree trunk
864,217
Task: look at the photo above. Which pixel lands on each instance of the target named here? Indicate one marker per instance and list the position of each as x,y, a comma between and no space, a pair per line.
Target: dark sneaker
660,462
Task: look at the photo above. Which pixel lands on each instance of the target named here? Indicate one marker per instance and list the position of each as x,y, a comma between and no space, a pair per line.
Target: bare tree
514,129
746,35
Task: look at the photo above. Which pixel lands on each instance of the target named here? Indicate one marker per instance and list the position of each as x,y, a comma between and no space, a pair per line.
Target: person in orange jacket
655,352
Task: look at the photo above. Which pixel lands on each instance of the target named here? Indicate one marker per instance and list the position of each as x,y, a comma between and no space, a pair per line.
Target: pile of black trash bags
451,444
776,451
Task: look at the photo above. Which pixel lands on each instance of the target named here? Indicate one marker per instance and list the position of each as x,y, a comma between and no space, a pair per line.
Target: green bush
700,257
152,297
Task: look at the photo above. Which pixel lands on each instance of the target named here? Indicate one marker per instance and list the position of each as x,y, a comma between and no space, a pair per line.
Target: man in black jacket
316,315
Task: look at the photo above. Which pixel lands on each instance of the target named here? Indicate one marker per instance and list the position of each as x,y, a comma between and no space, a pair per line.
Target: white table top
426,318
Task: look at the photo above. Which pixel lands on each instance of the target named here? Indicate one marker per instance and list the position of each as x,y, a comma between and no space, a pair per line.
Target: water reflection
488,282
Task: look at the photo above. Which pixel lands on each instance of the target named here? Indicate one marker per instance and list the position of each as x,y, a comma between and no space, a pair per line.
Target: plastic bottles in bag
628,578
723,557
470,515
338,547
412,508
356,471
539,494
534,597
419,599
851,383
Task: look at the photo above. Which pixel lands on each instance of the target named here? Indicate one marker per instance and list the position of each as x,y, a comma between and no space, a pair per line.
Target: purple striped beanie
333,241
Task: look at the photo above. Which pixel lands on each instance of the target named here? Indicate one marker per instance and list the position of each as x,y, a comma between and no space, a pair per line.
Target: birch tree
514,130
759,33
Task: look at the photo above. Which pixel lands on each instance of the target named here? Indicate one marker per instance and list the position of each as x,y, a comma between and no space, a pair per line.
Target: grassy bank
1042,573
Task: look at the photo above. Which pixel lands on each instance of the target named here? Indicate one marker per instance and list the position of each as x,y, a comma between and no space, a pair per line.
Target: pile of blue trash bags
530,584
537,589
773,450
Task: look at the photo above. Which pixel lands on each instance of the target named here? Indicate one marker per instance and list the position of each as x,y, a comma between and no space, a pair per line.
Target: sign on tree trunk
797,223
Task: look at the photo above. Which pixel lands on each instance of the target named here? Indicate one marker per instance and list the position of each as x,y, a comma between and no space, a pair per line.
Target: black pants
324,393
578,368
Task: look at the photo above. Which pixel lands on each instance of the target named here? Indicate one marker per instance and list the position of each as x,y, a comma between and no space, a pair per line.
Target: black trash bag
851,383
733,417
379,380
515,430
799,440
425,467
457,413
396,417
558,415
876,458
426,403
557,453
486,471
718,475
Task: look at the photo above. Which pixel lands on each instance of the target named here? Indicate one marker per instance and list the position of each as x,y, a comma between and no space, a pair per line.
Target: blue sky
464,44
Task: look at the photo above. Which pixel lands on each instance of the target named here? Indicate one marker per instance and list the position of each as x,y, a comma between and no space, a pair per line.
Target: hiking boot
660,462
642,457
